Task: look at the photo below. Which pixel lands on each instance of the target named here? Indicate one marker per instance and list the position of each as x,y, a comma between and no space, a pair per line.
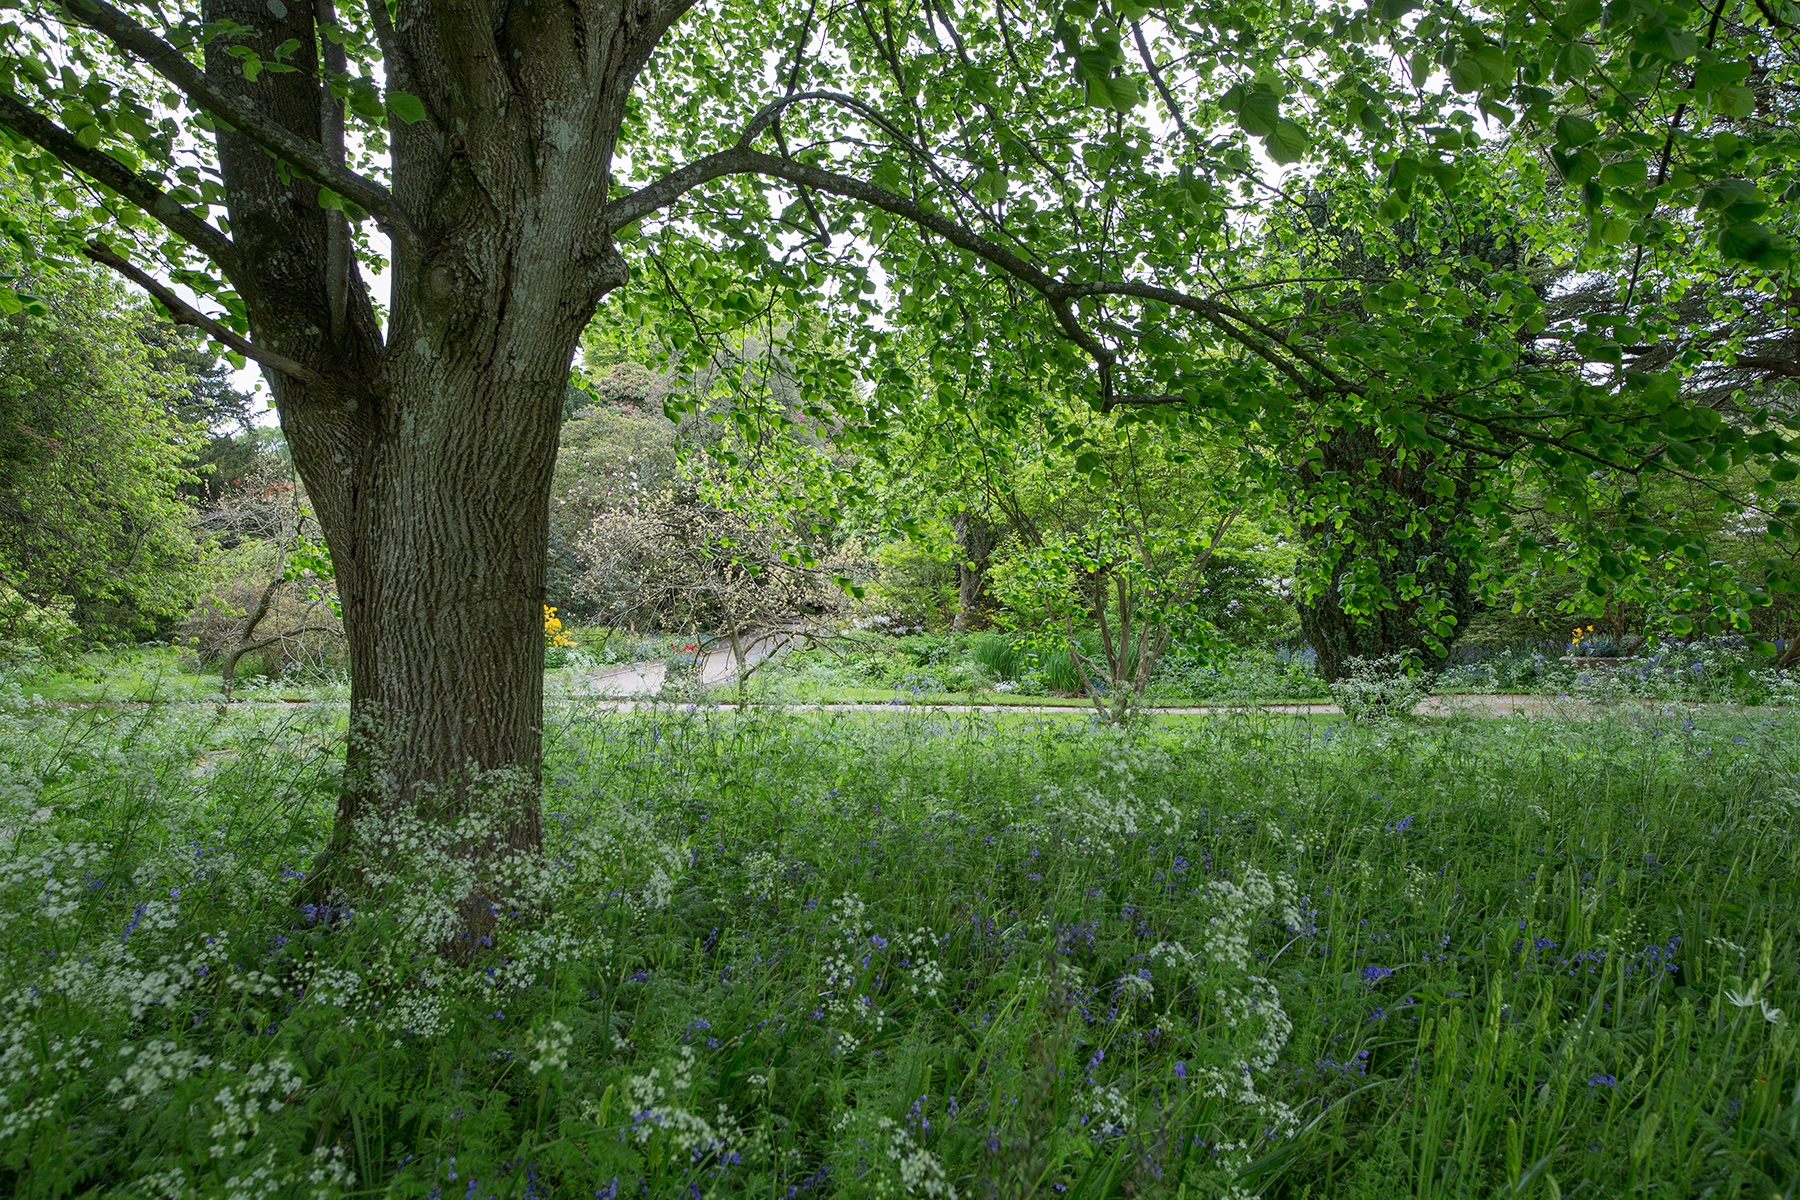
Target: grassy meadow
864,955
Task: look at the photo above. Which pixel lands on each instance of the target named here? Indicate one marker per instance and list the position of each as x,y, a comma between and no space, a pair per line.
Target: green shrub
34,635
915,583
1056,667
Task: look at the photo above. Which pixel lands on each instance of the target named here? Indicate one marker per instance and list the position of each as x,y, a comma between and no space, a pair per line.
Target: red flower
690,649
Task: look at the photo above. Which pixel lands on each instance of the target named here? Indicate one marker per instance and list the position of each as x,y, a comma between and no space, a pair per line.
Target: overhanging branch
174,66
104,169
184,313
1255,336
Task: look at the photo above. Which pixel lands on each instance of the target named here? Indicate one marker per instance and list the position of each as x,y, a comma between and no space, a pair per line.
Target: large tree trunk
443,600
428,447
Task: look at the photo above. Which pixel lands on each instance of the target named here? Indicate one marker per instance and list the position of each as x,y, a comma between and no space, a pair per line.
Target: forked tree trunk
428,446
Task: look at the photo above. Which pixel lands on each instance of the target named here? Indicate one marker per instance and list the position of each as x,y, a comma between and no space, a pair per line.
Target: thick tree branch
1260,339
104,169
1223,316
768,118
174,66
1162,88
184,313
340,262
393,58
1785,367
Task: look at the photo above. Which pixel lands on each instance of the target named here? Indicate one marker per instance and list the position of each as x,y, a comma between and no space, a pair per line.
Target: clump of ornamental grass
919,955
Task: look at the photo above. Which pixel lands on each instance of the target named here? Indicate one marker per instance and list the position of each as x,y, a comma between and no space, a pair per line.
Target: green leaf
1123,93
25,301
1288,143
366,104
1261,113
1574,61
1572,130
1622,174
1754,243
1393,10
1732,196
1667,42
1616,232
1466,74
1734,101
88,136
1494,64
1447,174
407,107
1577,15
1403,173
1709,76
1577,166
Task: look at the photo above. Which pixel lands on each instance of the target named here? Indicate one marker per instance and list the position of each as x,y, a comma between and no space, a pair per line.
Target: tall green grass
876,955
998,654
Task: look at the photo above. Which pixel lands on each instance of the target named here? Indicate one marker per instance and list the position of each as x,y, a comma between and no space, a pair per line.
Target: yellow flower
553,634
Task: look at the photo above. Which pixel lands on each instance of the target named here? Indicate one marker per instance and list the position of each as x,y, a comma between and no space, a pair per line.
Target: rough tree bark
429,453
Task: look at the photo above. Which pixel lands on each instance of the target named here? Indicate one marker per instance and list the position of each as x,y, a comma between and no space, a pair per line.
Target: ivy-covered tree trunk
1394,567
976,539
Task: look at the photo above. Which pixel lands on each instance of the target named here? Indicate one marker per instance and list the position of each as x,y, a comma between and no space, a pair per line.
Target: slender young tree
1067,192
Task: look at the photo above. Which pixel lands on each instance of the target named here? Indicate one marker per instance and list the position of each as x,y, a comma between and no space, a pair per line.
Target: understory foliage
91,460
919,956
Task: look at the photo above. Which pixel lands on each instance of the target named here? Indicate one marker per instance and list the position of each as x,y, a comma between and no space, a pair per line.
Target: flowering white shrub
1379,689
887,1154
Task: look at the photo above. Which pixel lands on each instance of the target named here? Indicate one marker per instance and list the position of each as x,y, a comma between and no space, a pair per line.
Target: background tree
92,462
611,461
719,522
271,593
